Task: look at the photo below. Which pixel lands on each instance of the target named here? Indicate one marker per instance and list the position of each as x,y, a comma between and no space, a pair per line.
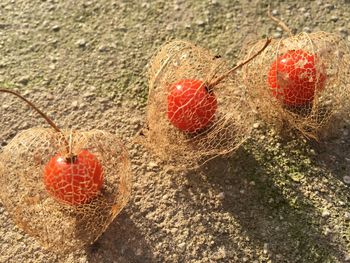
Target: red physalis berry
191,105
295,76
73,180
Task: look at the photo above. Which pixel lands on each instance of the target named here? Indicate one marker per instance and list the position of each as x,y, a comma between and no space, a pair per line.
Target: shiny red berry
73,180
191,106
295,76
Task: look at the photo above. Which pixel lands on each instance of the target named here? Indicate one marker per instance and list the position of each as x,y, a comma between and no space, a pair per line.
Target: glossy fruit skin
73,181
295,76
191,107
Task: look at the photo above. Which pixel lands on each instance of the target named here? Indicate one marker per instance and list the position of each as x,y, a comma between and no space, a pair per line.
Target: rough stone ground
83,62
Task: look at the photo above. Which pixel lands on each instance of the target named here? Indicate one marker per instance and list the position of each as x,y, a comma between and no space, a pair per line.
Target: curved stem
279,22
49,121
225,75
53,125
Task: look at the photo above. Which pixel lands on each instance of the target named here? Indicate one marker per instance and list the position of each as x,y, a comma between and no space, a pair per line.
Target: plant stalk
49,121
279,22
225,75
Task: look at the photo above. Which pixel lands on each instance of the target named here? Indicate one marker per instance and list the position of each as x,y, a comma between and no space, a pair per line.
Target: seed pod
301,82
194,115
62,226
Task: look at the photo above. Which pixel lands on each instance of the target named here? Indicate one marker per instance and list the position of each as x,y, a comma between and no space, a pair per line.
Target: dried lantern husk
329,106
231,125
59,226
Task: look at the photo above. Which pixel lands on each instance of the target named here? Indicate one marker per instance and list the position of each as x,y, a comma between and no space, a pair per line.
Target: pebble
169,27
81,42
74,104
152,165
222,253
56,28
297,177
325,213
137,89
277,35
221,196
23,80
139,252
327,231
275,12
334,18
343,30
200,22
346,179
265,250
49,96
307,29
182,245
329,6
88,94
146,5
82,105
25,125
103,48
54,59
106,101
347,215
256,125
51,7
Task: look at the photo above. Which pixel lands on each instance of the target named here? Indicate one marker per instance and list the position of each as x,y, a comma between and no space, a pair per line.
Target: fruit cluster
75,182
190,120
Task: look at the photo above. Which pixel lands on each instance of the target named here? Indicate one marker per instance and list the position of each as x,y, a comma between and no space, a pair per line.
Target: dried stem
49,121
279,22
225,75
